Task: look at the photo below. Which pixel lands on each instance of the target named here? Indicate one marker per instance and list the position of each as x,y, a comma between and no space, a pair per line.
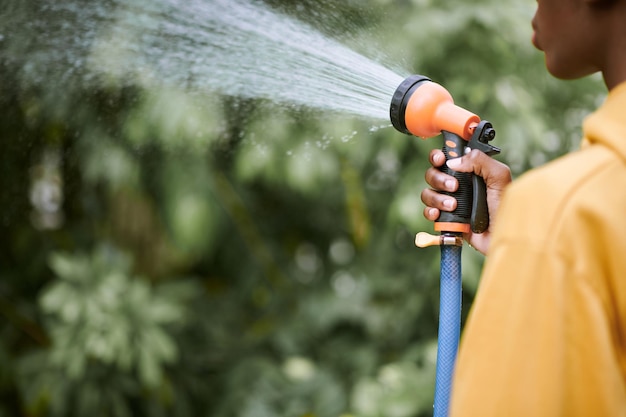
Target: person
546,335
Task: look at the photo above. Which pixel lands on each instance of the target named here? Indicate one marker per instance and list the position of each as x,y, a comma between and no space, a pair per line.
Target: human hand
497,177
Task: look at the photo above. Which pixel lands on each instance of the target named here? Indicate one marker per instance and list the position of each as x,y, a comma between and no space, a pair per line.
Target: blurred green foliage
165,253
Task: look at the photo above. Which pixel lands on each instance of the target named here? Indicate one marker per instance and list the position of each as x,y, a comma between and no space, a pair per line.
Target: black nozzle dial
400,99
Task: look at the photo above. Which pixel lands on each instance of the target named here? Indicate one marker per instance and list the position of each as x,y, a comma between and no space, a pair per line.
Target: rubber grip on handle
454,147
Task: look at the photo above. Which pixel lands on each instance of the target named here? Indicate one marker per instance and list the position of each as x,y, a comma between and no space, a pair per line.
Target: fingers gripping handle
471,195
454,147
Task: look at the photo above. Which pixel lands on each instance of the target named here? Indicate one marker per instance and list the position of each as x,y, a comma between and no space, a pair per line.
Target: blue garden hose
449,326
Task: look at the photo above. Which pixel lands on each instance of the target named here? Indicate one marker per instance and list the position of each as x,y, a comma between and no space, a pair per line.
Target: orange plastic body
452,227
431,109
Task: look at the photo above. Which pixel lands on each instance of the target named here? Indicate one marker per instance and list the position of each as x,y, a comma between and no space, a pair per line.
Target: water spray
425,109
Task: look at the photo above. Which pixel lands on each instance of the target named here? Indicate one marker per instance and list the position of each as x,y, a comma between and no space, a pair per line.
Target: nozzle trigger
483,134
479,219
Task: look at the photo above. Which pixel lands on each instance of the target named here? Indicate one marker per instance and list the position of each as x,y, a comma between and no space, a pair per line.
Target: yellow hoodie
547,332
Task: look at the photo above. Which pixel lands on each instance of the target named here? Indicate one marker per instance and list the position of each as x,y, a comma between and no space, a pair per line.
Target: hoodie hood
607,125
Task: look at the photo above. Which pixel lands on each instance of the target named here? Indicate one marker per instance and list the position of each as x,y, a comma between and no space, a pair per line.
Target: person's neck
614,65
615,74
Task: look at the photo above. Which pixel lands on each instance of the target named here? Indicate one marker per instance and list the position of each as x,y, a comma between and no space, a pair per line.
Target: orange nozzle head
424,108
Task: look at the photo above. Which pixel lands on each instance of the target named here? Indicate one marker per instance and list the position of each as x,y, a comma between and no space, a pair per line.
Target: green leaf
149,369
68,267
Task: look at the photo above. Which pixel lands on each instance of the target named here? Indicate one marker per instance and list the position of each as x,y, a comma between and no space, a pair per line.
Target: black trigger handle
479,218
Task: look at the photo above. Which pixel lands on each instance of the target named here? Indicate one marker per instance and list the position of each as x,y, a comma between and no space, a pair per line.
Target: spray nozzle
423,108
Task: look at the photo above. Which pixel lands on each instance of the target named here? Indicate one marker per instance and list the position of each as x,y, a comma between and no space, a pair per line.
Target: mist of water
238,48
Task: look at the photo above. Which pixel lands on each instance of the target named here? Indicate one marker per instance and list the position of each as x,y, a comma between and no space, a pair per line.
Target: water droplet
341,251
344,284
307,258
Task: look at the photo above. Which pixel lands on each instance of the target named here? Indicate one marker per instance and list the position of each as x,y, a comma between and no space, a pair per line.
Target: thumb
481,164
475,161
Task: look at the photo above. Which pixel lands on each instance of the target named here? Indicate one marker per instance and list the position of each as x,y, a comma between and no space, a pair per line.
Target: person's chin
535,41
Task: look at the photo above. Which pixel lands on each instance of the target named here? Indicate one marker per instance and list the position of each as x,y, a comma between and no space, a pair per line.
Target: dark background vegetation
169,253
